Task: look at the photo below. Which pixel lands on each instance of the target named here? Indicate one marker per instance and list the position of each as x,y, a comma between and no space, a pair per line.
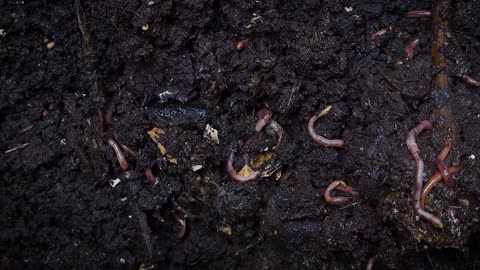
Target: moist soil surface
74,74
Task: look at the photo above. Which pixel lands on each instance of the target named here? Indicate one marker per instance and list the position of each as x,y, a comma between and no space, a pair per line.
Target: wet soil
174,65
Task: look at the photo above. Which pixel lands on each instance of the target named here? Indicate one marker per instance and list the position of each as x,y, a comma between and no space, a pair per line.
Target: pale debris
115,182
211,135
196,167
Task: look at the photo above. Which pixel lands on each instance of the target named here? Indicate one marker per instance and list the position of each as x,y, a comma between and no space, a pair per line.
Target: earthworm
417,193
263,116
320,139
279,131
108,112
442,167
148,170
410,46
233,173
378,33
182,222
129,150
470,80
121,158
371,263
150,177
434,180
242,44
340,185
418,14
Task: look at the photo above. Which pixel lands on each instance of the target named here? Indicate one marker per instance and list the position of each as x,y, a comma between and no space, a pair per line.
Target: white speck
164,95
196,167
129,216
472,157
348,9
211,135
63,141
151,3
122,260
123,199
3,33
115,182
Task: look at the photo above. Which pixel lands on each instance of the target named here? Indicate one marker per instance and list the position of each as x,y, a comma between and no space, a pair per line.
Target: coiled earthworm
470,80
340,185
182,222
434,180
233,173
417,192
442,167
418,14
320,139
121,158
410,46
263,116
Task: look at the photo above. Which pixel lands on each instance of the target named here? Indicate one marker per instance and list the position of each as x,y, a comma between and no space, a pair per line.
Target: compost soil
173,65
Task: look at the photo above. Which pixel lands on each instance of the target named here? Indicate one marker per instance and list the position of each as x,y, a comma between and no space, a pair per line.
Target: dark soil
58,209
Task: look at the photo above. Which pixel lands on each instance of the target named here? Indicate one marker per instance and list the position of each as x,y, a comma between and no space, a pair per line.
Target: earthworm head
263,116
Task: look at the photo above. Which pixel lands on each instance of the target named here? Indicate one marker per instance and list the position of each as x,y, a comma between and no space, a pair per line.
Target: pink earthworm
442,167
418,14
417,193
235,175
340,185
182,222
320,139
410,46
121,158
434,180
263,116
470,80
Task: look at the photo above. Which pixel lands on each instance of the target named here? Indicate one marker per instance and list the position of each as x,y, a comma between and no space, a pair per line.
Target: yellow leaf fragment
155,134
226,229
245,171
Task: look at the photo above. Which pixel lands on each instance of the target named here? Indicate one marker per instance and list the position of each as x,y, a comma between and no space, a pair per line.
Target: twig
16,148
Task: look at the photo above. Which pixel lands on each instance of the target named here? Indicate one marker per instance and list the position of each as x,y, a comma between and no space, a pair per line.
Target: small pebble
50,45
